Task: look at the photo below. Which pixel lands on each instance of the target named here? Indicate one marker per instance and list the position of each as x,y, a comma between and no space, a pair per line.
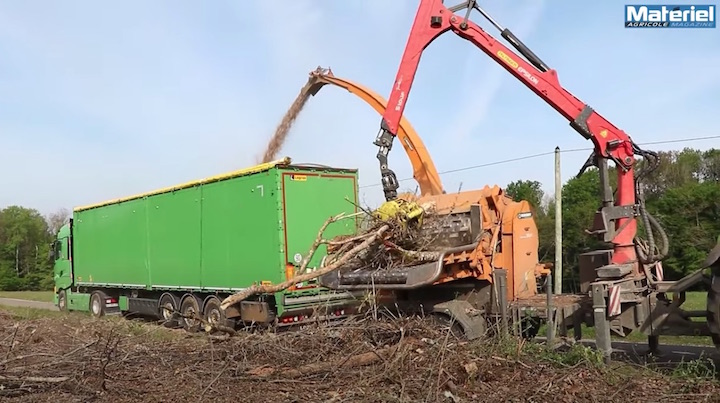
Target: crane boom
433,19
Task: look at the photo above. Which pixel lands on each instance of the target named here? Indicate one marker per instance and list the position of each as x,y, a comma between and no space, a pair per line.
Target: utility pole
558,224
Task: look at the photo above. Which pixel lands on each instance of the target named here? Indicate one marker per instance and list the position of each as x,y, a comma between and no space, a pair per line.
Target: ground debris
404,359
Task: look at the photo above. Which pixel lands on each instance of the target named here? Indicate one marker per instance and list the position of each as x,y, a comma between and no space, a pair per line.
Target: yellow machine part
406,212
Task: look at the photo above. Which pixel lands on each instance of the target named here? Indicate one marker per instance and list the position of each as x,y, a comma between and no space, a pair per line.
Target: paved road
22,303
668,353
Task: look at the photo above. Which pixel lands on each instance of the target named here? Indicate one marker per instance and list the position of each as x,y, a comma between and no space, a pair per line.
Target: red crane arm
432,20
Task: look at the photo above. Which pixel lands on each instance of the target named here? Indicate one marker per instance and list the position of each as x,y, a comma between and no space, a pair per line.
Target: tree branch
420,255
314,368
317,242
269,289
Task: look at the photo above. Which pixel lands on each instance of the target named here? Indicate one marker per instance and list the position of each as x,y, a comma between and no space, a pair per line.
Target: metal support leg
577,325
501,278
653,344
551,324
602,324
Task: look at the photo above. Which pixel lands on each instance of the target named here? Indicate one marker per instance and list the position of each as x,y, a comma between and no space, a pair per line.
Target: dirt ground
74,358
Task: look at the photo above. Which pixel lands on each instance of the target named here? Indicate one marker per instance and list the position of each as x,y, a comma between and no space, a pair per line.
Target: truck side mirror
51,252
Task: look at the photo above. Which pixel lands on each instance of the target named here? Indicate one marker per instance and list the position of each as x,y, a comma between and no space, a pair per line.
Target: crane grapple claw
590,162
407,213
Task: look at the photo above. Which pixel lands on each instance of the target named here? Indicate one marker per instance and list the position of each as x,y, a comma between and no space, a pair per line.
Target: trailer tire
189,307
213,313
167,310
97,304
62,301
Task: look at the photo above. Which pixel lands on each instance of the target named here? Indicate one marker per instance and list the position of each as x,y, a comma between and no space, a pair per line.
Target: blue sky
99,101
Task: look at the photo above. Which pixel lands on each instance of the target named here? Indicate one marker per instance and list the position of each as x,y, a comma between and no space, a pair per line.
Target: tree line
683,193
25,239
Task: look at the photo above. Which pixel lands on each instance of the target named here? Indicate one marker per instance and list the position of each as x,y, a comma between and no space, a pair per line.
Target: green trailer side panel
219,235
310,198
240,243
174,238
110,245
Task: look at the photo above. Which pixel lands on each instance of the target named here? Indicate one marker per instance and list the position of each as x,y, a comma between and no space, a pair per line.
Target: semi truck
174,253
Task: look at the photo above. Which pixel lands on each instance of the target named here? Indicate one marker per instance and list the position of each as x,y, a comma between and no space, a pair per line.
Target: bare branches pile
402,245
385,244
367,239
75,358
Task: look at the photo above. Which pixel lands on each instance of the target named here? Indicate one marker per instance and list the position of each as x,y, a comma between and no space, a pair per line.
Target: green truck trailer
178,252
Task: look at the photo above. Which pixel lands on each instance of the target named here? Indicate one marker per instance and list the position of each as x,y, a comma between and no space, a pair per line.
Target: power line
467,168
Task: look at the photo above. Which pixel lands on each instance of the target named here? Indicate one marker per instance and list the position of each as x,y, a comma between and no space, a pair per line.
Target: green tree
24,248
526,190
711,166
545,222
690,215
580,200
674,169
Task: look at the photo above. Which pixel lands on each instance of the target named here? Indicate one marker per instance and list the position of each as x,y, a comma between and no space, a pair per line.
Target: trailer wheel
167,310
189,308
62,300
97,304
213,314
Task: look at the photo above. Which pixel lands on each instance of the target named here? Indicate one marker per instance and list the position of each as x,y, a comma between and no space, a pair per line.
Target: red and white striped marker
659,271
614,301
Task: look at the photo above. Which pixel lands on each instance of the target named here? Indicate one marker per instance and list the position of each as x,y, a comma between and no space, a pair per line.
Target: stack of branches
81,359
72,358
384,244
401,245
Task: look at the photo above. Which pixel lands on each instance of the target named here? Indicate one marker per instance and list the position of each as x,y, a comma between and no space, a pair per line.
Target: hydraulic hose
653,253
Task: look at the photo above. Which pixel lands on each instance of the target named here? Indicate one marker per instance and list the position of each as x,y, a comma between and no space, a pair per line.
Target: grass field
43,296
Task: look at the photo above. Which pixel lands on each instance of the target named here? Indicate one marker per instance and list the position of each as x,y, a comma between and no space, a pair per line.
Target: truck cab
62,268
